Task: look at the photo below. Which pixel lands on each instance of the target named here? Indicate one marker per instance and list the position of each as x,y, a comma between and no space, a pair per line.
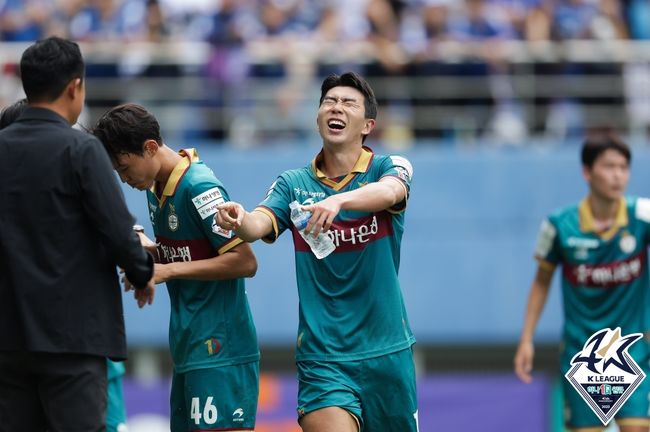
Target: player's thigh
330,419
73,392
324,385
216,398
389,396
115,409
20,405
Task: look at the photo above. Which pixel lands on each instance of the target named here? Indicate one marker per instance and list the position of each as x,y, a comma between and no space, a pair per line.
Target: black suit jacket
64,226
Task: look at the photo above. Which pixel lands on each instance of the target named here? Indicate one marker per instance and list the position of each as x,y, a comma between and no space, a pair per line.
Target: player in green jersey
601,245
354,345
211,333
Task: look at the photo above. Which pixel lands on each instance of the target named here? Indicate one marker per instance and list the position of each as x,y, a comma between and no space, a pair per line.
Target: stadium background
489,99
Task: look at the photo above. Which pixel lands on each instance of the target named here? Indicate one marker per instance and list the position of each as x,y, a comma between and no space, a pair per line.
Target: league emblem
604,374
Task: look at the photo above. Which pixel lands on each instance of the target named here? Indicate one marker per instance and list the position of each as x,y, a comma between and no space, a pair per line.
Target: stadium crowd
398,38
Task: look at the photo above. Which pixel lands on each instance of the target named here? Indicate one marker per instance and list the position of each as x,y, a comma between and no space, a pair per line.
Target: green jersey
604,274
210,324
351,305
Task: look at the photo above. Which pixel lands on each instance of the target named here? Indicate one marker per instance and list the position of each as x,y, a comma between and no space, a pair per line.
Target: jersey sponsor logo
607,275
353,234
545,239
207,202
583,243
301,194
603,372
171,250
220,231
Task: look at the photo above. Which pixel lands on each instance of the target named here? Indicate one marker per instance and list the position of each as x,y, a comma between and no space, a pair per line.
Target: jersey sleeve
400,168
547,250
203,201
276,207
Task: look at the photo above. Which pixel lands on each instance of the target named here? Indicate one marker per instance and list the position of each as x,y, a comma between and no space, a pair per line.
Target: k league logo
604,374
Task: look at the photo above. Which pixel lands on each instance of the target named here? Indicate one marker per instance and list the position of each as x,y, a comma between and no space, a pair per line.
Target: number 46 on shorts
209,414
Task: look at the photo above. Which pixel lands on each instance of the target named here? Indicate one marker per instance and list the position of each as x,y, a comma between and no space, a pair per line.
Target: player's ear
151,147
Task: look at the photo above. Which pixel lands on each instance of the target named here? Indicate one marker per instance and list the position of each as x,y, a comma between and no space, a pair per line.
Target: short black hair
125,128
10,113
596,145
47,66
354,80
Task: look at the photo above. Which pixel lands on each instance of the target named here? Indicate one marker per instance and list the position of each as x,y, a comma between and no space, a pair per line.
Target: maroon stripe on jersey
171,250
607,275
352,235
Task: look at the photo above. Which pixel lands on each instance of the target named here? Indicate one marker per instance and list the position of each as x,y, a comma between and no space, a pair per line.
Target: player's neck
604,211
338,160
168,161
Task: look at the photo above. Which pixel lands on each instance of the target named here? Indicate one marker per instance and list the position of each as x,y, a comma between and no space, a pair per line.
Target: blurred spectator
24,20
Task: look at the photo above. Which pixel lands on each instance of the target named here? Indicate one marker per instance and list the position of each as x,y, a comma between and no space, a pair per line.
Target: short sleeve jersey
604,275
210,323
351,304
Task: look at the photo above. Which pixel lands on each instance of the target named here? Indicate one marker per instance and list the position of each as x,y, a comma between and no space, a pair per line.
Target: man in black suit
64,227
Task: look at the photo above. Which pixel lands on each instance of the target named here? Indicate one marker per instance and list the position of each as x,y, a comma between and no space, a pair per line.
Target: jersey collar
361,166
189,156
587,223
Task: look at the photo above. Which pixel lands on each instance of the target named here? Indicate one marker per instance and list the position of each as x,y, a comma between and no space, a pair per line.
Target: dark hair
10,113
125,128
48,66
596,145
352,79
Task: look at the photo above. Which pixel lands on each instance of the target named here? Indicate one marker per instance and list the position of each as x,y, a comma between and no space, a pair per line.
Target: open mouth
336,124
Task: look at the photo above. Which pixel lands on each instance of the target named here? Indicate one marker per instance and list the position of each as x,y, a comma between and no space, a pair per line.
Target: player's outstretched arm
238,262
248,226
523,361
373,197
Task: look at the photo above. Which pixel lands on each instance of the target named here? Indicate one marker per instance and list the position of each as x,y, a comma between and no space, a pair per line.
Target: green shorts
379,391
219,398
634,411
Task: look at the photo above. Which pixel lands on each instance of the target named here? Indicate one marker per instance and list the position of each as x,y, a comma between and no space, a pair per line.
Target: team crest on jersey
604,374
627,243
172,219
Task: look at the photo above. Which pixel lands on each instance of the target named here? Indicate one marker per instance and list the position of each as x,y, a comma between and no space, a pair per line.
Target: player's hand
322,215
524,361
146,295
149,245
230,215
128,286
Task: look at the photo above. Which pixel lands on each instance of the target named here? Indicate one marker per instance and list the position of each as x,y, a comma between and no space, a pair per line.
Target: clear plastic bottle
322,245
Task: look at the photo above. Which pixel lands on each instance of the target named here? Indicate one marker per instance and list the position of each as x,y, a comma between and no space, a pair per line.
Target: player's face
609,175
341,116
138,171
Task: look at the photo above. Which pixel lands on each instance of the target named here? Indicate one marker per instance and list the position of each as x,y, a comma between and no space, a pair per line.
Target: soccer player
607,234
211,333
354,344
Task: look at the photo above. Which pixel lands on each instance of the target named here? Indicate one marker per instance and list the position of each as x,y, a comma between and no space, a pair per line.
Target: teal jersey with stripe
351,305
210,323
604,275
114,369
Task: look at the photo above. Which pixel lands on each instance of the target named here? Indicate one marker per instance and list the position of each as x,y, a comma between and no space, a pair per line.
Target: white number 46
209,411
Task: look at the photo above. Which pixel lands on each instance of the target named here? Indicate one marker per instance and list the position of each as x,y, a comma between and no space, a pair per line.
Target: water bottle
322,245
